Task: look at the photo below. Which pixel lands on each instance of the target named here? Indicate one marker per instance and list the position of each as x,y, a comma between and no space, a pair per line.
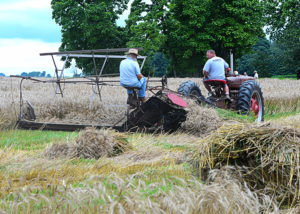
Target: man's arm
206,69
226,66
205,73
138,71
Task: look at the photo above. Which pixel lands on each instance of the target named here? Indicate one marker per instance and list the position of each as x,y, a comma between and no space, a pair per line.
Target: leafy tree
159,64
284,28
265,57
33,74
24,74
277,52
146,27
145,24
259,59
43,74
89,24
184,30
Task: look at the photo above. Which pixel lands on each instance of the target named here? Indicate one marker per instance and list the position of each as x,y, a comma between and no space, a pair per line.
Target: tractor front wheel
250,100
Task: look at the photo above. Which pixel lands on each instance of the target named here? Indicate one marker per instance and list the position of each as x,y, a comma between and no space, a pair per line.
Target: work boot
129,99
228,97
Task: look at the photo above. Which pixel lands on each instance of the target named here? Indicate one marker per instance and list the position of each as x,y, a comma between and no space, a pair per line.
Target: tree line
31,74
175,34
35,74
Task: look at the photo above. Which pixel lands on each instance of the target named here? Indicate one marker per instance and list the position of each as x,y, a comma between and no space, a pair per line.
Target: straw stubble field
215,164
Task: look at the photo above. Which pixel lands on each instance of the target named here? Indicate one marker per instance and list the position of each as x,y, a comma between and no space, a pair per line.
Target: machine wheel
188,88
250,99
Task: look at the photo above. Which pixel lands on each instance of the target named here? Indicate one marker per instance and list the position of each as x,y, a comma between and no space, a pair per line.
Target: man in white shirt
255,75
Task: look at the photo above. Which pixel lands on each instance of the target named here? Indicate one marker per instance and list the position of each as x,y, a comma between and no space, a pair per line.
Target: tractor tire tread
245,94
186,88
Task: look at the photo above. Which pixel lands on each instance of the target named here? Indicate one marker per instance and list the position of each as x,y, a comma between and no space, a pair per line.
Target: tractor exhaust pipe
231,62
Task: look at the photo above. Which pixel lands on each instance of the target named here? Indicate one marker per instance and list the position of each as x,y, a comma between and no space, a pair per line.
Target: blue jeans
140,84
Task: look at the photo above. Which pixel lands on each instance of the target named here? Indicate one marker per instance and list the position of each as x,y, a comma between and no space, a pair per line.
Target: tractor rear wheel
189,88
250,99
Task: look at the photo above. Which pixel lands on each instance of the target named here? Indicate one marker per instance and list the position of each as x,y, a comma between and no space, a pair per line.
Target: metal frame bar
97,56
87,54
59,77
103,82
114,50
92,80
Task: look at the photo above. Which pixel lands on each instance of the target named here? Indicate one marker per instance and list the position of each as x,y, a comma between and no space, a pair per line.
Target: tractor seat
215,82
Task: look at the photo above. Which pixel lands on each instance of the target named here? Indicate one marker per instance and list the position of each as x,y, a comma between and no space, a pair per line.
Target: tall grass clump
133,194
266,157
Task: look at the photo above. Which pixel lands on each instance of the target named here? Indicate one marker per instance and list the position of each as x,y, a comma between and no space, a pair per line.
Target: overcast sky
26,30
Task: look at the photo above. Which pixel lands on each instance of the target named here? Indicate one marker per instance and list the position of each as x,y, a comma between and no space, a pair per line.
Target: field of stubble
215,164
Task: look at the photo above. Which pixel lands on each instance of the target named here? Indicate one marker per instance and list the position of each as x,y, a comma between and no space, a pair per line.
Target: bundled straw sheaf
266,156
94,143
91,143
200,120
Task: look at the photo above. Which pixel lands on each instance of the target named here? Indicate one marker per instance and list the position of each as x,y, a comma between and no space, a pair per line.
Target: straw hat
133,51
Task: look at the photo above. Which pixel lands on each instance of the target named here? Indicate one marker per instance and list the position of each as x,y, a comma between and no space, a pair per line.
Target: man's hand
140,76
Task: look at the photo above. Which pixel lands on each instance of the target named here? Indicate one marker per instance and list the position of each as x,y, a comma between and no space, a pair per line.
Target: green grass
281,77
32,140
280,115
232,115
168,146
82,160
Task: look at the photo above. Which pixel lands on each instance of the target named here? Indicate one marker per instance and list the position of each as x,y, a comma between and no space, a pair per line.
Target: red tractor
245,93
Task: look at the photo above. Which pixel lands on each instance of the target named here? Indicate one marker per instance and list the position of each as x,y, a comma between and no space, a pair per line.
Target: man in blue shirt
130,75
214,69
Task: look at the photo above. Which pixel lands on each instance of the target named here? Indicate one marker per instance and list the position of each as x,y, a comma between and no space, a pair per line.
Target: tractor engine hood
236,81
